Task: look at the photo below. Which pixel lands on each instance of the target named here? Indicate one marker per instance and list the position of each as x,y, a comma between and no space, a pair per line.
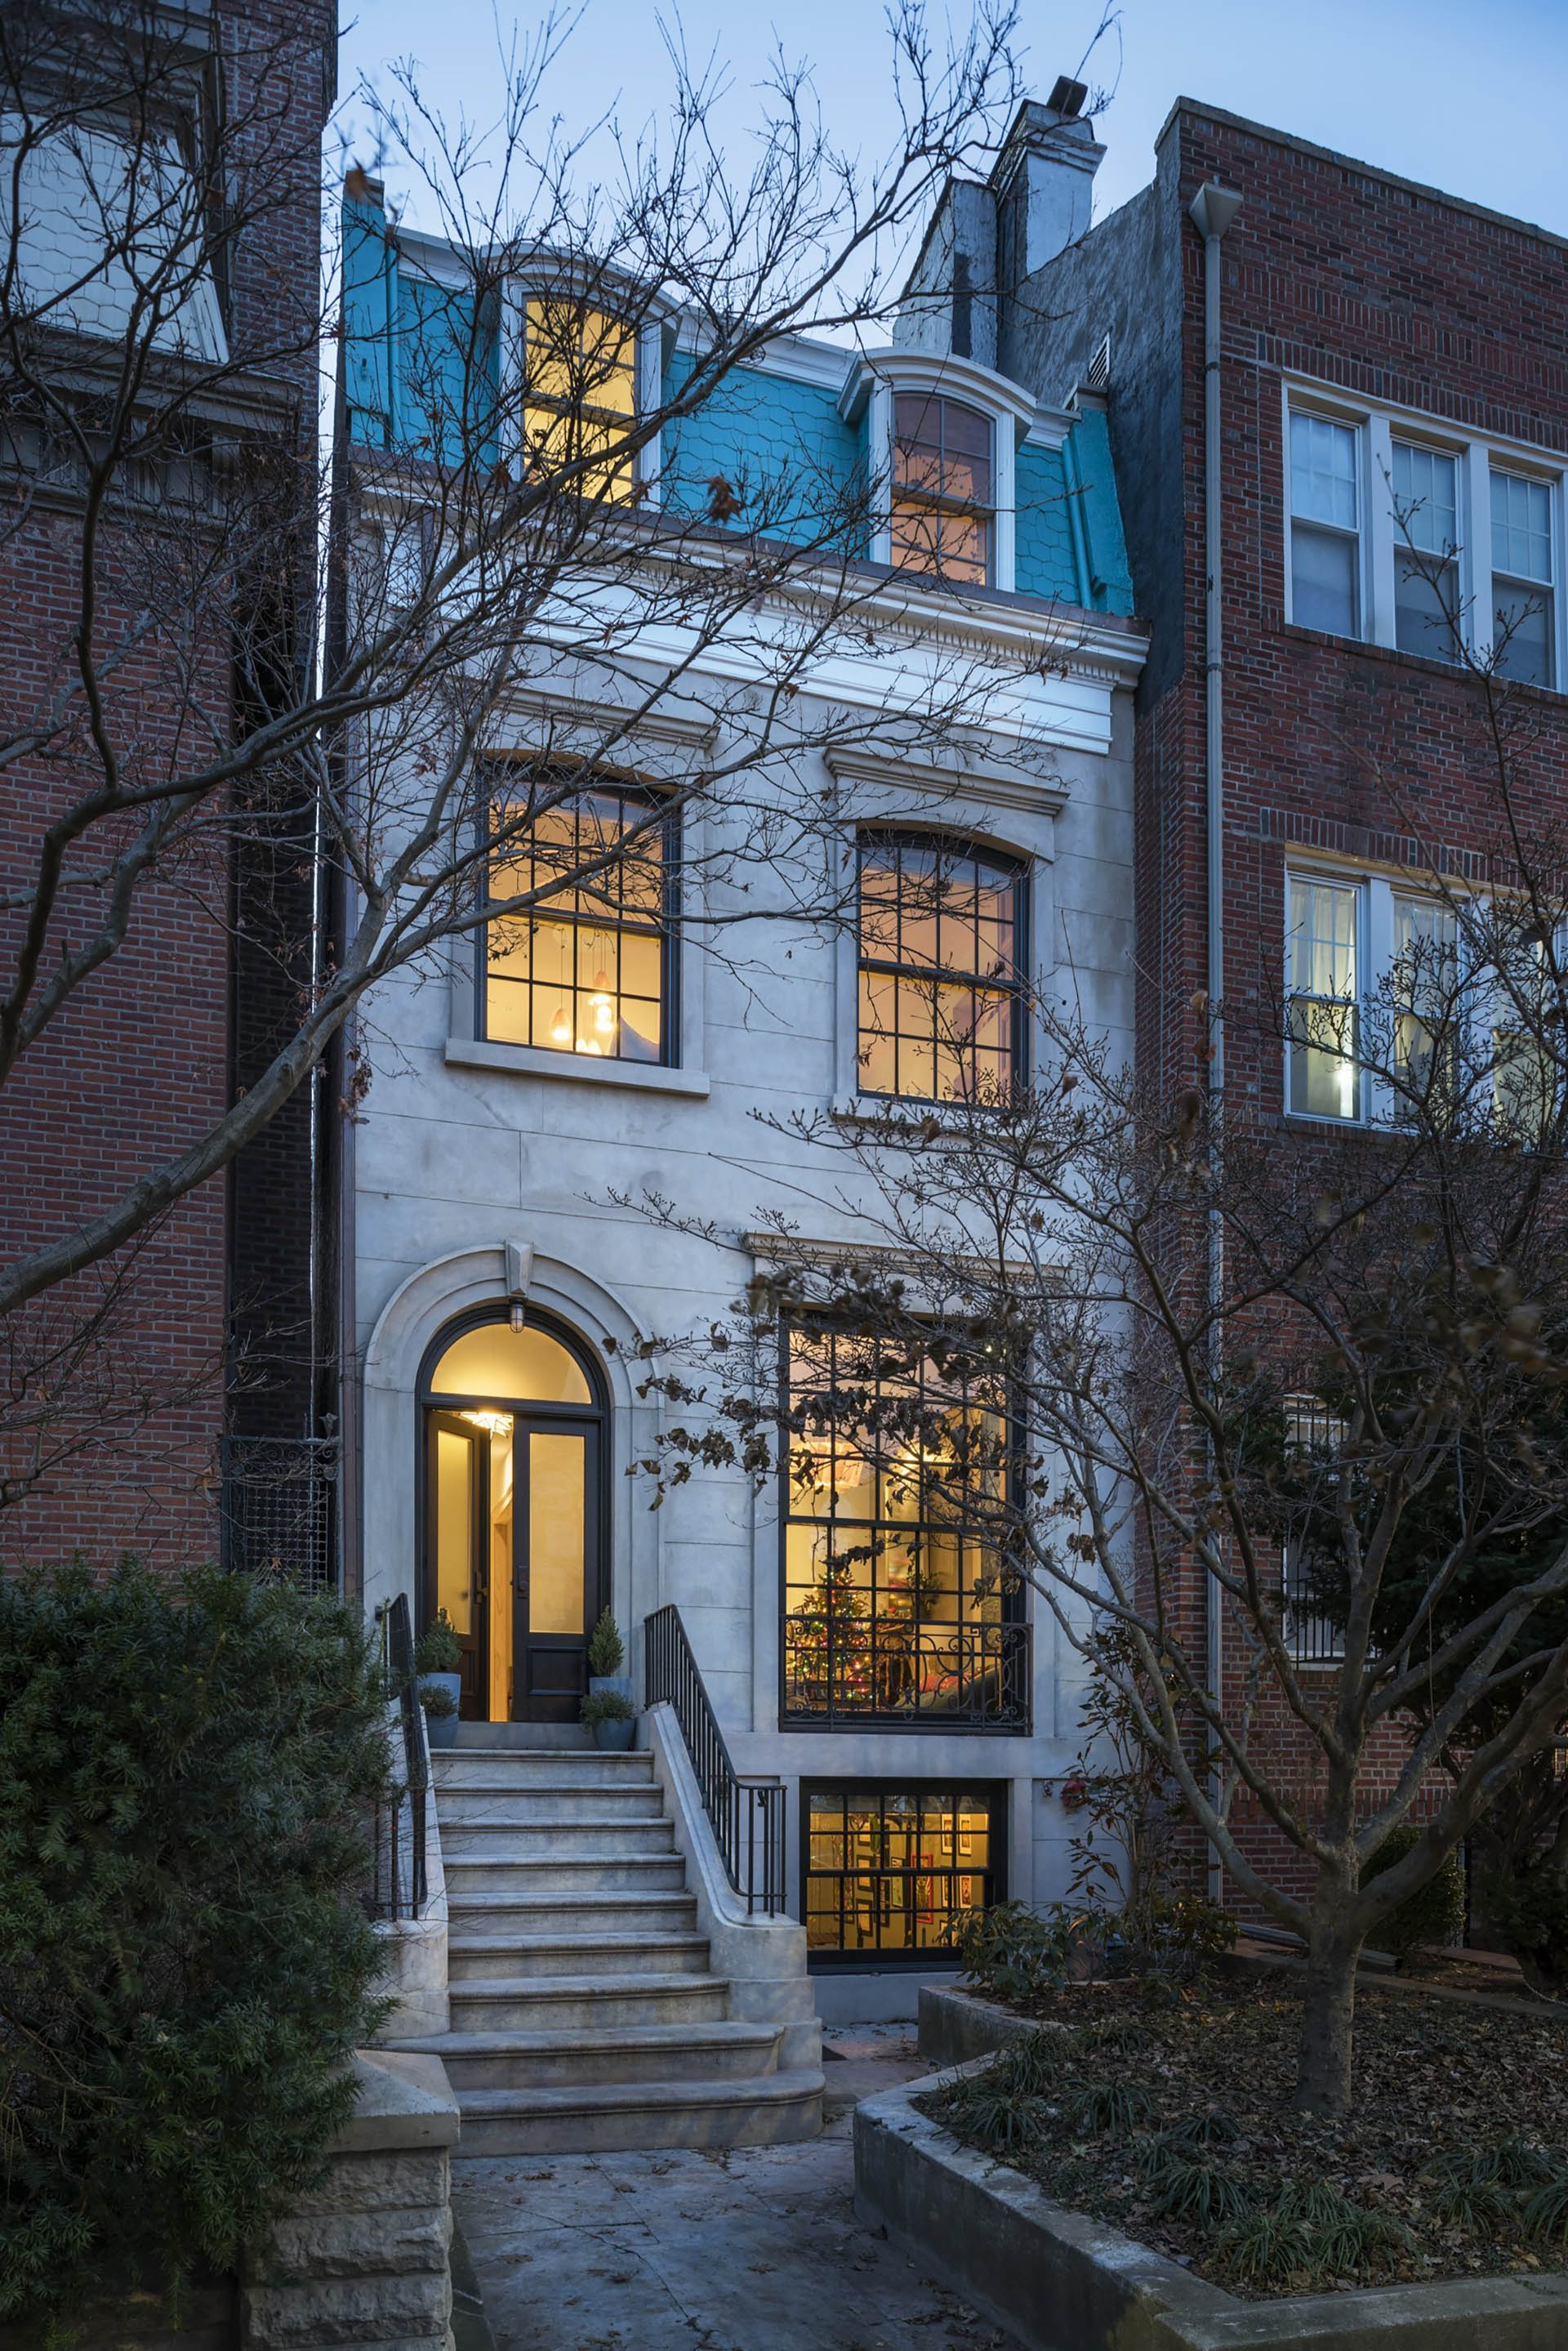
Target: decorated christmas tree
830,1641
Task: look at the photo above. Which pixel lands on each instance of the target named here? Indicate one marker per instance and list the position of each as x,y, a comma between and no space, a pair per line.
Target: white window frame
1500,461
1304,870
870,386
1479,455
1353,421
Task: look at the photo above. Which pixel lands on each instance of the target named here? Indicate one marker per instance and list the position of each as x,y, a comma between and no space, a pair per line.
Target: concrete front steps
585,2015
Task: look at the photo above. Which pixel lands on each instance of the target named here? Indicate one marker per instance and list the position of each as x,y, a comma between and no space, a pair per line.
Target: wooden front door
457,1485
556,1565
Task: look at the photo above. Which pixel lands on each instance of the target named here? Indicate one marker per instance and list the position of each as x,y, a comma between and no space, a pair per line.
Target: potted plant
612,1717
607,1655
438,1679
440,1709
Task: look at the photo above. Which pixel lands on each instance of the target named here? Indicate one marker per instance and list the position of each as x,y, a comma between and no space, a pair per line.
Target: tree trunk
1328,2017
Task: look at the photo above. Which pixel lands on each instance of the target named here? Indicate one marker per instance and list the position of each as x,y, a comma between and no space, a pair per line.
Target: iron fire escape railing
747,1813
397,1888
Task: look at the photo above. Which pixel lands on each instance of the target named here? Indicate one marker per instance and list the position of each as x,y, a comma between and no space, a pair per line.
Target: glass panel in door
557,1568
457,1483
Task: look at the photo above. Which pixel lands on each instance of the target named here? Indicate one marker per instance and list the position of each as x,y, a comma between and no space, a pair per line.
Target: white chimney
1045,177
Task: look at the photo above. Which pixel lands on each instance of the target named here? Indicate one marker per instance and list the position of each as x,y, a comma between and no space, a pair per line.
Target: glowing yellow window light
580,392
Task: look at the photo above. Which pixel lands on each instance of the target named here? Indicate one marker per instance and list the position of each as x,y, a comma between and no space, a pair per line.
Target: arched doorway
515,1512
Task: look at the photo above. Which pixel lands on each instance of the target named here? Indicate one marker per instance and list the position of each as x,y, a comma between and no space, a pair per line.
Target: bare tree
507,564
1344,1429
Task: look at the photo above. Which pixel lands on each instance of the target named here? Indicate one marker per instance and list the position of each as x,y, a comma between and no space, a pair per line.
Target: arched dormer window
942,509
941,435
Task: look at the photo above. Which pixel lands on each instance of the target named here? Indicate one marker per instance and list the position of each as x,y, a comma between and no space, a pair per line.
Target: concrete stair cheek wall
590,2004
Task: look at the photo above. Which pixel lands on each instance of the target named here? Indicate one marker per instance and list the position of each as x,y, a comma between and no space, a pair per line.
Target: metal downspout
1212,210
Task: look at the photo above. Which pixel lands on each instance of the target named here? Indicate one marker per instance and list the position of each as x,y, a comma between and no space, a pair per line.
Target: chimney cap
1067,97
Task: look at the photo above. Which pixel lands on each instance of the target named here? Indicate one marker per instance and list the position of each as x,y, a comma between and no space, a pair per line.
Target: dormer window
579,395
941,439
943,504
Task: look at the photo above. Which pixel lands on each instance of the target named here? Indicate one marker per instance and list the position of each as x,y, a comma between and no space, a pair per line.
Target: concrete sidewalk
755,2250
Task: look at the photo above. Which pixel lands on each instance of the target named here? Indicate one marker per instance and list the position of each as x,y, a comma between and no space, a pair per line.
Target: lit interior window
585,970
579,394
942,502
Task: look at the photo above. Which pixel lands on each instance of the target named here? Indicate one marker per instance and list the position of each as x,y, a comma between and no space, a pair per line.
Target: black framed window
943,504
942,947
897,1607
589,969
890,1873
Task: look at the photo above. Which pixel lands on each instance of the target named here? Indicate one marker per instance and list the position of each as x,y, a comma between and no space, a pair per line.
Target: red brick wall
144,1057
1396,296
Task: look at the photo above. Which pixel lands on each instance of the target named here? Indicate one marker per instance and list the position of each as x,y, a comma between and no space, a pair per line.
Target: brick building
1392,374
210,1329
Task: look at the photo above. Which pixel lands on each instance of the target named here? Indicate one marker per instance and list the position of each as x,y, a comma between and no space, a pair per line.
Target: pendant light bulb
603,1015
560,1027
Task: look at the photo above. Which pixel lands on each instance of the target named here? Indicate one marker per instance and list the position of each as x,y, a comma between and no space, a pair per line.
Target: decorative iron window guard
747,1815
912,1675
399,1886
279,1509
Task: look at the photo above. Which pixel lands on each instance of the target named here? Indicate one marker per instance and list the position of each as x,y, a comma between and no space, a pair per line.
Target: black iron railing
747,1813
279,1509
398,1887
976,1677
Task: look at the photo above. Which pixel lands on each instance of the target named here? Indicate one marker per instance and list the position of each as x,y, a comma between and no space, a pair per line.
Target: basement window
891,1871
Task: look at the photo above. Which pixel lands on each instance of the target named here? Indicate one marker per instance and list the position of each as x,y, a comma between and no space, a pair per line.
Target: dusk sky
1471,99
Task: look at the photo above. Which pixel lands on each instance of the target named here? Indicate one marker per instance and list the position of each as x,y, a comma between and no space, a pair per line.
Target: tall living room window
941,960
588,969
896,1605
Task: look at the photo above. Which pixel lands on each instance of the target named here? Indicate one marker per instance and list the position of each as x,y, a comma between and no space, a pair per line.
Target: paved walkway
755,2250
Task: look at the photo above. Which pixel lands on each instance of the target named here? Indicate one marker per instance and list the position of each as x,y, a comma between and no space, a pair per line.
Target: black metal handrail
747,1813
399,1886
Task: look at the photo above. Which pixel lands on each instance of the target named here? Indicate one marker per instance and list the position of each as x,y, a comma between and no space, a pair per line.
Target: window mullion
1382,536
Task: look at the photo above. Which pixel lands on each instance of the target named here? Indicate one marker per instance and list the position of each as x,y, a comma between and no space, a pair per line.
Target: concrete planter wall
958,2025
1064,2283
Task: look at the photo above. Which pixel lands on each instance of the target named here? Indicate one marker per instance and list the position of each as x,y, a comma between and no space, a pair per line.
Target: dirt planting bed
1171,2121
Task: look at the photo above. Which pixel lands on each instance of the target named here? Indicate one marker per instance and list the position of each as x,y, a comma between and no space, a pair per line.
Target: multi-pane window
1325,966
942,501
1313,1632
1426,953
1426,556
1522,581
579,394
1525,1078
896,1605
587,968
895,1871
1326,525
941,950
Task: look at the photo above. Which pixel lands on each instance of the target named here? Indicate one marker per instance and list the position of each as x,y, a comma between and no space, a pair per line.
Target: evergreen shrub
185,1964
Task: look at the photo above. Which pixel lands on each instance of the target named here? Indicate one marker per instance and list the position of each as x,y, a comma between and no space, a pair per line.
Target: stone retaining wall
1063,2282
365,2259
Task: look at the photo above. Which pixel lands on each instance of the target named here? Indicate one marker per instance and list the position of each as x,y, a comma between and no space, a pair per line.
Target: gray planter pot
440,1731
616,1737
619,1683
